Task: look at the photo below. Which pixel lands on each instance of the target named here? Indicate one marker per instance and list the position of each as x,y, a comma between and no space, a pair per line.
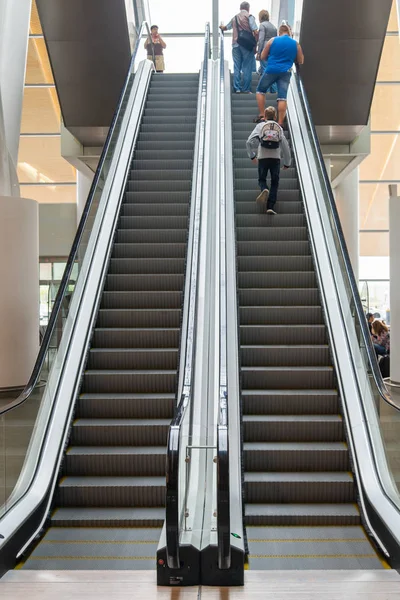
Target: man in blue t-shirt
281,52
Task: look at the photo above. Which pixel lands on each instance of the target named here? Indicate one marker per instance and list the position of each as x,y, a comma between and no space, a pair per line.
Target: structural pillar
14,35
394,250
347,202
19,289
83,185
215,30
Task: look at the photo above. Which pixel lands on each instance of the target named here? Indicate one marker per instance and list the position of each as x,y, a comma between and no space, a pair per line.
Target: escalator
108,508
300,494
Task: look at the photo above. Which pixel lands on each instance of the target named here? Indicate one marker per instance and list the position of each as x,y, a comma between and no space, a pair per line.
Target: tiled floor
273,585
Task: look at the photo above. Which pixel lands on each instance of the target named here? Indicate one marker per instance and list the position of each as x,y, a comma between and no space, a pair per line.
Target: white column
83,185
19,289
14,34
215,29
394,249
347,202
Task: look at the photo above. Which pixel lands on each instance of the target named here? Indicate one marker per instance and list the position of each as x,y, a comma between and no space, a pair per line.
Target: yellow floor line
311,540
312,556
93,558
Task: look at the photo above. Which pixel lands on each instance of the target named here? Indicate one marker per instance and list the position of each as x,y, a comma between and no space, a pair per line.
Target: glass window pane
384,160
40,161
35,26
385,113
190,16
58,270
374,206
38,69
50,194
40,111
45,271
393,20
374,244
177,57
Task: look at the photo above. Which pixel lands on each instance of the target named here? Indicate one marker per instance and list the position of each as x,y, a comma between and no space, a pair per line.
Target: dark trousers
274,166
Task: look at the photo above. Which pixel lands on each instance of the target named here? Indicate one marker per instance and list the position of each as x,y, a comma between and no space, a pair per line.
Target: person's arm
226,27
254,141
253,27
261,39
265,52
300,55
285,150
147,42
163,44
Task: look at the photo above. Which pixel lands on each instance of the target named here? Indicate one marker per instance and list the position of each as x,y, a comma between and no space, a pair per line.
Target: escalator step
276,279
129,406
276,335
154,222
302,514
287,377
268,248
292,428
265,234
149,251
136,381
144,282
281,315
290,402
162,175
275,263
148,266
279,297
109,517
133,358
148,236
153,164
161,299
295,456
115,460
145,197
285,356
282,207
136,338
120,432
155,185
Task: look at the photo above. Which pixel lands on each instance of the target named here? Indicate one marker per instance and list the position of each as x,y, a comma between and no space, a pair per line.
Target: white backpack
271,135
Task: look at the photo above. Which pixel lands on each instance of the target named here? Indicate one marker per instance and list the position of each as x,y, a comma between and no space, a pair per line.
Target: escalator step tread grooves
300,495
109,504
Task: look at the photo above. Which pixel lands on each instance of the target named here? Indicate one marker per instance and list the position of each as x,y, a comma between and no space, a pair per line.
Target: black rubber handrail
223,476
57,306
373,363
172,509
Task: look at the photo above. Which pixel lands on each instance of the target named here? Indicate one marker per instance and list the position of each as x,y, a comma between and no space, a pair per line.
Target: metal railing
172,512
223,488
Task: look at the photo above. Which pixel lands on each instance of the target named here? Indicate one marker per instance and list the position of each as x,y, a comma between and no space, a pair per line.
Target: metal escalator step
292,428
161,175
243,162
290,402
282,334
148,251
133,358
281,315
156,185
251,171
185,144
167,111
287,377
250,195
154,210
158,198
177,119
269,234
283,208
284,248
270,221
279,297
153,164
157,154
252,185
188,125
109,517
285,356
144,282
276,279
146,266
302,514
148,236
275,263
288,488
171,102
111,492
153,222
116,460
161,299
130,406
295,456
138,381
150,337
119,432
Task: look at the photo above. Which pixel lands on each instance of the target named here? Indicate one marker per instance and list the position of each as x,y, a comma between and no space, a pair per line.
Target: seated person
380,337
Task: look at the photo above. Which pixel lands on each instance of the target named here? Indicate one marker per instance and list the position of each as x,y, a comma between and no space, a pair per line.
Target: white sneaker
271,212
262,197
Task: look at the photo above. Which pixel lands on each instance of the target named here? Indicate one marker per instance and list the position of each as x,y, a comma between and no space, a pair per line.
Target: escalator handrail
57,306
378,380
172,509
223,477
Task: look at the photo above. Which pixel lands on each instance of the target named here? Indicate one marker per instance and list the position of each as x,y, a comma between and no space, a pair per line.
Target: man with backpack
265,146
244,41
